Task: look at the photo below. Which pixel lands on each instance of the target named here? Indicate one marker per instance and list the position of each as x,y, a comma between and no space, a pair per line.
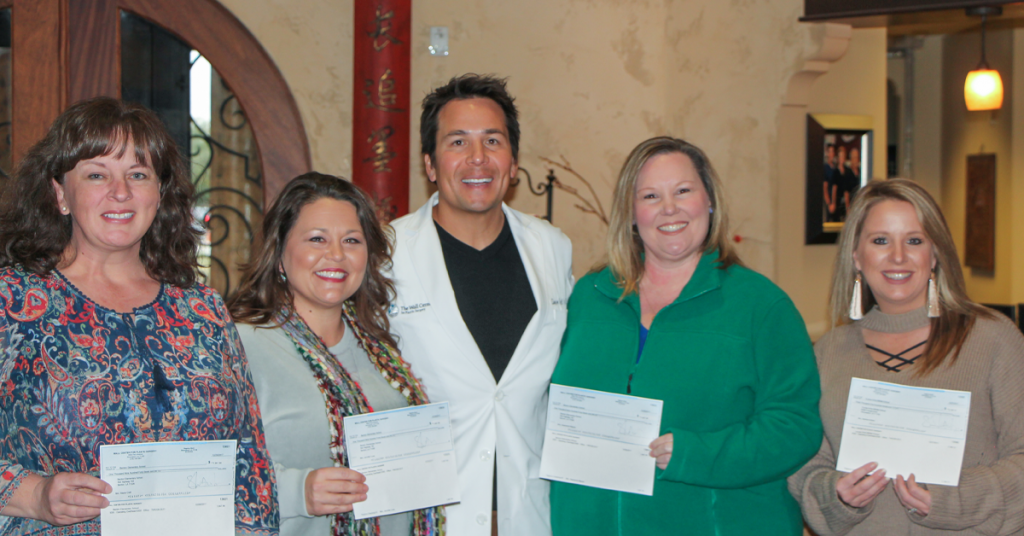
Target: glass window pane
168,76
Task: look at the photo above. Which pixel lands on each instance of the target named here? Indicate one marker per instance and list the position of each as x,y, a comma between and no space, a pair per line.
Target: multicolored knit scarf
344,397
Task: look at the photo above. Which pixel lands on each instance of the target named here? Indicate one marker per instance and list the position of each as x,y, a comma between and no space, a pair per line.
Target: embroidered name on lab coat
395,309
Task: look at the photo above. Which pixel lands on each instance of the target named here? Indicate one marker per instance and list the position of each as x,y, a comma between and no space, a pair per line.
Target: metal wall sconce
983,89
541,188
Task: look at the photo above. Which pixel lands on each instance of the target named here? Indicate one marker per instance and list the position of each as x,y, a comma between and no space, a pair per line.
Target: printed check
407,456
180,487
600,439
906,430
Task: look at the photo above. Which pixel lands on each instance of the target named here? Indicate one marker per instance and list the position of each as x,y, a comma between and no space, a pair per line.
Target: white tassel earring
933,297
856,305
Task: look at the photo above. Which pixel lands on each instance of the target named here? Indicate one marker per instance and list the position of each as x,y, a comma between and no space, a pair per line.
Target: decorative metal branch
585,205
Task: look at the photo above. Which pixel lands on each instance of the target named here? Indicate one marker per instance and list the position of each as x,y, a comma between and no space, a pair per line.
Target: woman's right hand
858,489
61,499
333,490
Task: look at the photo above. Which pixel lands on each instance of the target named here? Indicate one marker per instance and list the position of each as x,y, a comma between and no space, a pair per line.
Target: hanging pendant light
983,89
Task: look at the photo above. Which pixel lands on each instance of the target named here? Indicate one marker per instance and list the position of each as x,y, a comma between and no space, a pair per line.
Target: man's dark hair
467,86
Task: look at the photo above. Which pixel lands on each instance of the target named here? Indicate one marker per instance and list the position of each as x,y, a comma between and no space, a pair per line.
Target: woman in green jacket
676,317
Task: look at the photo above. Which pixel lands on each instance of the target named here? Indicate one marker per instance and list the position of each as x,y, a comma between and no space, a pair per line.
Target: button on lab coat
504,419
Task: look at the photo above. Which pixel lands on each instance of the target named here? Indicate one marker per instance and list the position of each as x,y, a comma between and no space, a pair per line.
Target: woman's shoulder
587,286
263,339
16,282
839,337
995,329
752,283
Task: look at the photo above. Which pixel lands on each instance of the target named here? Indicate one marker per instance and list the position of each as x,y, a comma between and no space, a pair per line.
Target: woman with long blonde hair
901,315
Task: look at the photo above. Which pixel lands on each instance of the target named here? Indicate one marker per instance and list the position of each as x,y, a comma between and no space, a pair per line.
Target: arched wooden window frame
64,51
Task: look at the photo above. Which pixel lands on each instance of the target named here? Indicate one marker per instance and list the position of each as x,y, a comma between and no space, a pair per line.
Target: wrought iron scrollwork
239,206
238,112
540,189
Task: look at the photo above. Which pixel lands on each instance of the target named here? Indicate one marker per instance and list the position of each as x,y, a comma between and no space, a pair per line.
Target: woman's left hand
912,496
661,450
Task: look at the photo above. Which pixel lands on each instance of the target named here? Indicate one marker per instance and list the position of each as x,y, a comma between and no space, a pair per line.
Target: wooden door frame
50,71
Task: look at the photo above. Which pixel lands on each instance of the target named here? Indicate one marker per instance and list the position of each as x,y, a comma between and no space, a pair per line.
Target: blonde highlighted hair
957,312
624,244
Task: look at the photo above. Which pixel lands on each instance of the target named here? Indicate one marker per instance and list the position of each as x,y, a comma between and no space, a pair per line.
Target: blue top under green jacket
731,360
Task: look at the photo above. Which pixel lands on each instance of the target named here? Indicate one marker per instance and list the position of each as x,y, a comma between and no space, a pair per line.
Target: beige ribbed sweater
990,497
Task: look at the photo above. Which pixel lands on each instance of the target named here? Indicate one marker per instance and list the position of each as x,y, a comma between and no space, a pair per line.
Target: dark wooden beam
823,10
94,45
37,70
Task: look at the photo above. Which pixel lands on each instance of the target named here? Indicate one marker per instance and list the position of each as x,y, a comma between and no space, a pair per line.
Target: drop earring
856,305
933,297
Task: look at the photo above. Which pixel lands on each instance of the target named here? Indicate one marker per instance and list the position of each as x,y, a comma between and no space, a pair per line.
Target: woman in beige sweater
904,317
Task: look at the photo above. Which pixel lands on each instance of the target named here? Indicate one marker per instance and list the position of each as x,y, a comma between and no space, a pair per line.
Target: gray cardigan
295,420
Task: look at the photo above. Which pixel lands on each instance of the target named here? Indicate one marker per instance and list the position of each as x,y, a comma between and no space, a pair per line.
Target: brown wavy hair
625,248
262,292
35,235
957,312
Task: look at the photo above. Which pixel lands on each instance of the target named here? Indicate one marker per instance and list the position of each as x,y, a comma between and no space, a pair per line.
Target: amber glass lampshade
983,90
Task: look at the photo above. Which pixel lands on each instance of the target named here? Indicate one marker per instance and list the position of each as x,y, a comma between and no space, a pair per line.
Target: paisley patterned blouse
74,376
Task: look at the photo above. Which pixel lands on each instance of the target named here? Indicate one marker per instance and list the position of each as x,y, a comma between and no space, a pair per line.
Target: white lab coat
507,418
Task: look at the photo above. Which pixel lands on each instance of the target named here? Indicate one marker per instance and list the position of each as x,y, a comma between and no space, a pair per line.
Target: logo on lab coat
395,309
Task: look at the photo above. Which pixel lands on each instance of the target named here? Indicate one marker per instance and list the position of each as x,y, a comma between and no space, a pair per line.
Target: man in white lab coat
480,308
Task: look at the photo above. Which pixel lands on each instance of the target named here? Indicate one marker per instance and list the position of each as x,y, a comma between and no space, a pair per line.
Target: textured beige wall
593,78
311,43
965,133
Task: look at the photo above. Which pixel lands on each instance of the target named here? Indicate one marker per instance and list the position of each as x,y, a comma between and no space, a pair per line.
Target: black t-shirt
493,293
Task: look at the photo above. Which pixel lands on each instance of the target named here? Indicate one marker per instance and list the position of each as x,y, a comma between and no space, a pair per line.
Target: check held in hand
171,488
407,456
905,430
600,439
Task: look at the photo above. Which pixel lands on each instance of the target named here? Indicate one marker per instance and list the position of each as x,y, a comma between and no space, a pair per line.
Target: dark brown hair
957,313
33,232
467,86
262,292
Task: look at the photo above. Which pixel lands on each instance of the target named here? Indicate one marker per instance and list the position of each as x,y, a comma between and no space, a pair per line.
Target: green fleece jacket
731,359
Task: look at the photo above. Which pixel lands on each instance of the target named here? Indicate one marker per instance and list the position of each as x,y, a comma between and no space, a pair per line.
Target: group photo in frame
839,160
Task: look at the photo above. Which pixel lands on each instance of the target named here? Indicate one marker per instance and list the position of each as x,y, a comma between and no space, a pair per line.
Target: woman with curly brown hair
312,306
106,337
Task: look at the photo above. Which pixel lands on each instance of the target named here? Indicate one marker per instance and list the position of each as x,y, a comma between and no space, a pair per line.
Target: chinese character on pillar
380,118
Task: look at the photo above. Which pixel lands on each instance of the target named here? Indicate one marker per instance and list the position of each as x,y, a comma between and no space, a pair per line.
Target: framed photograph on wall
839,160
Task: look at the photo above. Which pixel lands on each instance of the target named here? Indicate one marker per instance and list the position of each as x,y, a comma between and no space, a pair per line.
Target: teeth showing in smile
898,276
477,181
120,216
331,274
671,228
